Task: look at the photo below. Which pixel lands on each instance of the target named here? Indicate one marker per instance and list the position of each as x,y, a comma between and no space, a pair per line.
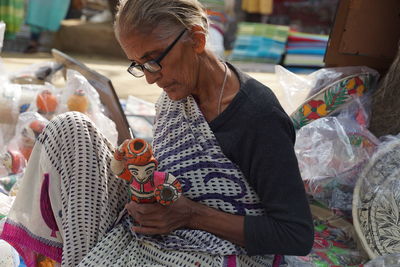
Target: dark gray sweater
257,135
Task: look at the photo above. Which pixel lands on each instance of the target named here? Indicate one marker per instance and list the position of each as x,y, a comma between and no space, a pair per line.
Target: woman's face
178,76
142,173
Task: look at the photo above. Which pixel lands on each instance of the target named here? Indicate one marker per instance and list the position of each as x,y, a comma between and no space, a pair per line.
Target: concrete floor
124,83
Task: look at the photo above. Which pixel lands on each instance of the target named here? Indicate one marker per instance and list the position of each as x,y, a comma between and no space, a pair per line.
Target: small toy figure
28,137
134,162
46,103
78,101
14,161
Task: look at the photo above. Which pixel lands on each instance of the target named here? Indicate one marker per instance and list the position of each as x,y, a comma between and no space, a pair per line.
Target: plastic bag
45,100
331,152
359,110
10,95
36,73
2,30
297,88
79,95
12,167
29,127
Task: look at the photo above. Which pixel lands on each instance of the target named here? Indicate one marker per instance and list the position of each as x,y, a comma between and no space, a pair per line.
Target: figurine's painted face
142,173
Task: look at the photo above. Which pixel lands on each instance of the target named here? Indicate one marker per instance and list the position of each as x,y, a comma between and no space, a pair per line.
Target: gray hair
169,15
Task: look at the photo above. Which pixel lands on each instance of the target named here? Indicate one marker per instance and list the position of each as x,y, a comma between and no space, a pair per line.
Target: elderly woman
221,133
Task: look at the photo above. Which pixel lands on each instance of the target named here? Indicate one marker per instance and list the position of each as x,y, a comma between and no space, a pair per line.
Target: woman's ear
199,39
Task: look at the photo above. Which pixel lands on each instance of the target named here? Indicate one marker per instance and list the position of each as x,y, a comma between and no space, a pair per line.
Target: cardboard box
365,32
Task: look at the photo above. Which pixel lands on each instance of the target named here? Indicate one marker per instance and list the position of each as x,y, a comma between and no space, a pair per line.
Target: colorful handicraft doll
78,101
28,137
134,162
14,163
47,104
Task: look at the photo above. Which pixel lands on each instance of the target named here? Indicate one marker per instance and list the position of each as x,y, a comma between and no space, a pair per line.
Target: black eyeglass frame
157,61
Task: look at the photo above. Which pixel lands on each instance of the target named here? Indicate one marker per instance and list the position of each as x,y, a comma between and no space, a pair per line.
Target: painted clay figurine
134,162
46,103
13,161
78,101
28,137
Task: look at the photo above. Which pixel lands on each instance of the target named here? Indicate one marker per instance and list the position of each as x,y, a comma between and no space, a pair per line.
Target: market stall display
331,153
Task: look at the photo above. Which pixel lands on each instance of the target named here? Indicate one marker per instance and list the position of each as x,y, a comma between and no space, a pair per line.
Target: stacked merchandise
257,42
29,98
305,50
333,147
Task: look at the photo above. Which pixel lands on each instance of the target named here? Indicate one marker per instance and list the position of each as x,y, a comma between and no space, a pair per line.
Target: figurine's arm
169,191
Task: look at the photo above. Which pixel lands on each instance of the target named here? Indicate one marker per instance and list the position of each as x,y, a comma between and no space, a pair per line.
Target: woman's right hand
155,218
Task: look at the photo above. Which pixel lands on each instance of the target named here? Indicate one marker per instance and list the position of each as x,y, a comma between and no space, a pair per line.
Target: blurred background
254,34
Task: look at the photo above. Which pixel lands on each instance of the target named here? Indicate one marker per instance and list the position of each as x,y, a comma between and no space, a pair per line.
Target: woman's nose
152,77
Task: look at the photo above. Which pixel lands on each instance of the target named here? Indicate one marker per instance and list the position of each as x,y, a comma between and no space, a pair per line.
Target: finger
153,220
149,208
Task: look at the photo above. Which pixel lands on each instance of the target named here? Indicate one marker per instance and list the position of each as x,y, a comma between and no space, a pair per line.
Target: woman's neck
209,85
211,94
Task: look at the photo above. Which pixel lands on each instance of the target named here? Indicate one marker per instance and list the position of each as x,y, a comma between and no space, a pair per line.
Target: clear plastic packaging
79,95
10,95
36,73
331,152
29,126
297,88
12,166
45,101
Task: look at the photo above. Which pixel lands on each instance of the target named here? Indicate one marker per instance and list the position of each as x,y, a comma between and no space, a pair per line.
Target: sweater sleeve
266,157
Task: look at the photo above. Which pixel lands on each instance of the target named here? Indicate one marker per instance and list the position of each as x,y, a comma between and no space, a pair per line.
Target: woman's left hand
157,219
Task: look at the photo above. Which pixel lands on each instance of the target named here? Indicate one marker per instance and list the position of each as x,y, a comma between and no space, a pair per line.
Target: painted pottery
331,98
376,202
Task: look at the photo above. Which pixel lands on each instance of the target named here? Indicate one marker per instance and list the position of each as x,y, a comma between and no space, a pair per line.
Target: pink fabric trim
45,206
277,260
23,242
230,261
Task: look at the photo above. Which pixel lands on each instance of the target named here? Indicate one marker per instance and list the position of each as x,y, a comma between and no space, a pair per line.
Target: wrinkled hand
158,219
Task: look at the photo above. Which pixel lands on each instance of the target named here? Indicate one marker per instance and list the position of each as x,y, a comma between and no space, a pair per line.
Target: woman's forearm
222,224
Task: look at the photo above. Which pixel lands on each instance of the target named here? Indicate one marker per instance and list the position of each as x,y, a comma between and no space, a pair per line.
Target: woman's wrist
197,212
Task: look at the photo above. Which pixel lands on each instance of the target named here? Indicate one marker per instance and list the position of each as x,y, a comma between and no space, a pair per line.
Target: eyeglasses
154,65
